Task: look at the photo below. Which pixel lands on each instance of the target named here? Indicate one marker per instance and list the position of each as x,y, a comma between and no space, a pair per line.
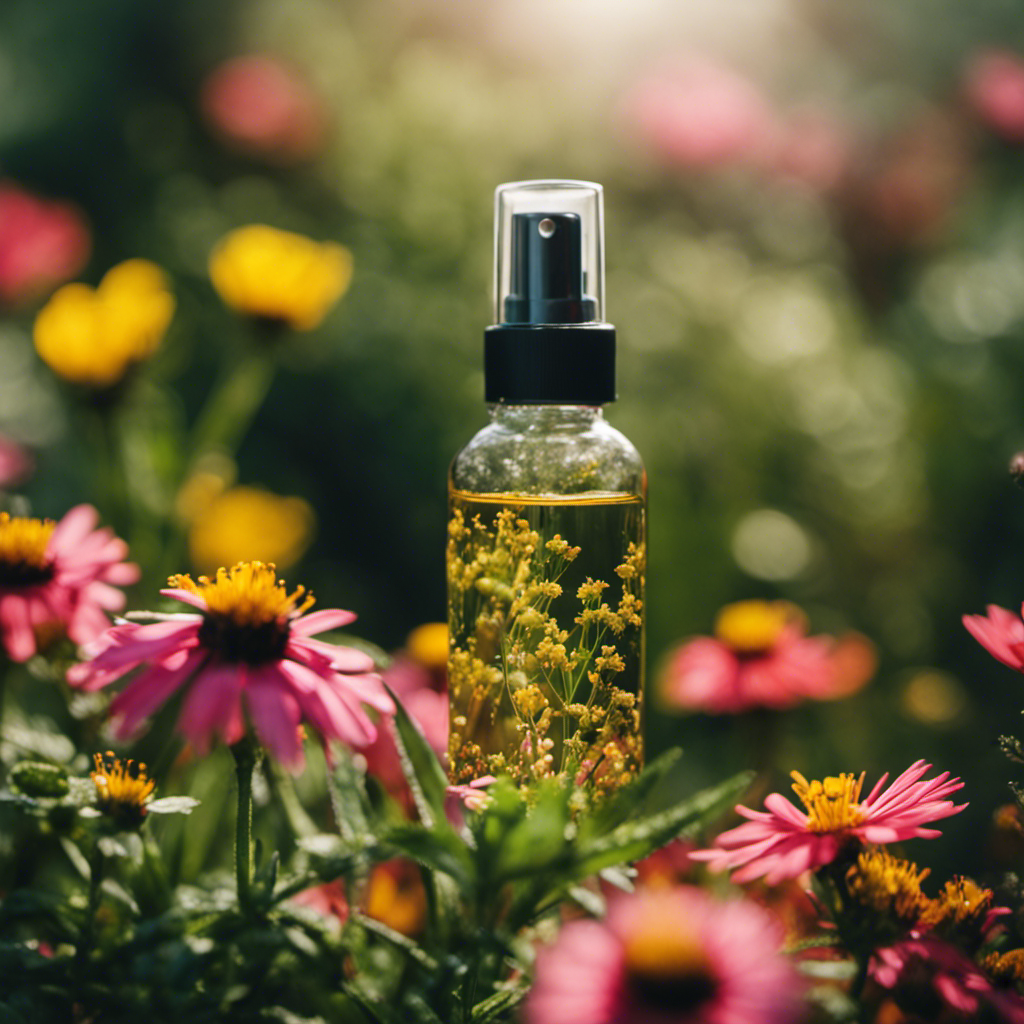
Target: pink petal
77,523
343,659
180,594
276,714
213,705
153,688
16,628
321,621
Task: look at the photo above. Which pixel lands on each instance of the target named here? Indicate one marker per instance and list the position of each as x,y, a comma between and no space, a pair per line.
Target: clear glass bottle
547,530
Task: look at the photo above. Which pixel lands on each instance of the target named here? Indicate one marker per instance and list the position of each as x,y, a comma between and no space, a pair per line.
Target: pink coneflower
761,657
42,243
251,640
784,842
58,576
662,956
923,967
1001,633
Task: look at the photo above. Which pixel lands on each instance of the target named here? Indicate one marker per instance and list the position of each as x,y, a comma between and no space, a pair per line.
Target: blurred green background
815,259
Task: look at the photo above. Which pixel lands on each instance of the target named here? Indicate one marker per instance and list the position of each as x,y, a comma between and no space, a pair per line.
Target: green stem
299,821
85,938
245,761
230,409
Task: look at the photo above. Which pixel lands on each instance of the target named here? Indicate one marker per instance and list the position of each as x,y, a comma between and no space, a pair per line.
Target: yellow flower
92,336
428,645
122,788
247,524
276,275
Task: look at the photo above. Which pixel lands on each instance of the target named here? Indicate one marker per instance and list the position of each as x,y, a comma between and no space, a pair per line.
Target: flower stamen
752,627
122,788
831,805
249,594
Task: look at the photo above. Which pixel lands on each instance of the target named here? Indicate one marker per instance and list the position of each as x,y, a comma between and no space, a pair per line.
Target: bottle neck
546,418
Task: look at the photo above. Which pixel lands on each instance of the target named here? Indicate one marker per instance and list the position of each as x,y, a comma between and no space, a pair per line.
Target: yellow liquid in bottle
545,613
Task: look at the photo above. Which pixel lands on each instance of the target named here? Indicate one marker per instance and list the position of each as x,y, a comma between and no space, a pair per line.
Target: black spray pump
550,345
547,280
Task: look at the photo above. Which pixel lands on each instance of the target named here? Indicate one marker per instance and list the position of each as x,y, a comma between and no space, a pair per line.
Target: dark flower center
252,643
672,992
24,574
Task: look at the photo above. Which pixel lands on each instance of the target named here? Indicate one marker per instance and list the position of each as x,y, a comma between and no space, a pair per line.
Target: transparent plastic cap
548,252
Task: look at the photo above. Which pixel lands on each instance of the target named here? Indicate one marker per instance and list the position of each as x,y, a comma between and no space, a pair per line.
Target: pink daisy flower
926,965
248,653
667,956
784,842
760,657
58,575
1001,633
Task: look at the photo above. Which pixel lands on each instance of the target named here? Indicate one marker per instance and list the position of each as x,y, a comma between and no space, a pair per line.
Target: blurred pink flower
262,106
784,842
328,900
700,115
813,148
16,463
1001,633
994,86
427,708
667,956
472,796
42,243
60,575
251,640
760,657
926,962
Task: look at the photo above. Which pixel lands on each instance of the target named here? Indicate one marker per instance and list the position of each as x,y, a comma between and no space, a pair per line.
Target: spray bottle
547,529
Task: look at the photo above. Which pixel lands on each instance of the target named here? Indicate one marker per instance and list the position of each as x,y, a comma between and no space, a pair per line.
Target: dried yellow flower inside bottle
545,602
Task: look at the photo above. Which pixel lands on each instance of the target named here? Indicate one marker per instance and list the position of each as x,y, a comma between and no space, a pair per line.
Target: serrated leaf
422,769
347,790
439,849
172,805
397,939
634,840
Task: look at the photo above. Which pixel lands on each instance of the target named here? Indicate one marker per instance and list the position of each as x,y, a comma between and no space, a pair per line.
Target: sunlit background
815,259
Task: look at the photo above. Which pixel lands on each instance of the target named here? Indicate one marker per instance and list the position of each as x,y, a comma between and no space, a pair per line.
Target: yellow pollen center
248,594
885,884
752,626
24,542
665,954
961,899
122,788
831,805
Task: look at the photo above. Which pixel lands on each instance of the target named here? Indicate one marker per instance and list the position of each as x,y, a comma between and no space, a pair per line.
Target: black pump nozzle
547,280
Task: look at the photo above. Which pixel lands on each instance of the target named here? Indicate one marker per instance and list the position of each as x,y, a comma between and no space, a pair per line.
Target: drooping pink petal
999,633
212,706
16,628
153,688
276,714
73,528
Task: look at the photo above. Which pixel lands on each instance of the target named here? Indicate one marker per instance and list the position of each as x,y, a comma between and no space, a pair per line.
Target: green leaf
628,801
497,1005
352,813
592,902
439,849
398,940
420,1010
634,840
422,770
537,842
830,970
